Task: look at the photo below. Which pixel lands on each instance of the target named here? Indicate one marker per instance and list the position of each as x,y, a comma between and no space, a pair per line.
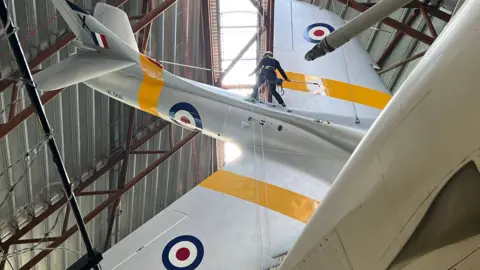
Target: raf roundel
185,114
314,33
183,253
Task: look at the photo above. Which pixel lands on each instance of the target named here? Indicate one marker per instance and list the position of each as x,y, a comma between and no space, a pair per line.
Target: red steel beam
398,36
97,192
238,57
152,15
121,179
35,240
42,254
145,138
112,161
136,17
392,23
142,152
26,113
435,12
401,63
430,26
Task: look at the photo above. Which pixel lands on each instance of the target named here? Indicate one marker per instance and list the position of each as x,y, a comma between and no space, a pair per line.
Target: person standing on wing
267,67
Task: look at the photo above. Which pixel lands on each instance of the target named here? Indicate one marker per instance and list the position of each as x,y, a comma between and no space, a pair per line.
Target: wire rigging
259,226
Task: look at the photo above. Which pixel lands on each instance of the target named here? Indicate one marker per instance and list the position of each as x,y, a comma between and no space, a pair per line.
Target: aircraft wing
241,217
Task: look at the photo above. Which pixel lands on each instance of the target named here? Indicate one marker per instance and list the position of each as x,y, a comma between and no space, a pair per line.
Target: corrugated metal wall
89,128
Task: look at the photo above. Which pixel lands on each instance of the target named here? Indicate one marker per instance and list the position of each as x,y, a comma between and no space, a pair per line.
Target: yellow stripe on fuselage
275,198
151,86
337,89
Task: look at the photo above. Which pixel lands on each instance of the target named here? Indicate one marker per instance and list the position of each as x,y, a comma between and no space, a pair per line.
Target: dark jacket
269,64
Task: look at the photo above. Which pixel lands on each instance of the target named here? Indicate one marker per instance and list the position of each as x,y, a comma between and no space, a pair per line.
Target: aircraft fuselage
214,111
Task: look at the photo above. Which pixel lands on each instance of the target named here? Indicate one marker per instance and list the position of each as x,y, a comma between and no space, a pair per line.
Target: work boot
251,99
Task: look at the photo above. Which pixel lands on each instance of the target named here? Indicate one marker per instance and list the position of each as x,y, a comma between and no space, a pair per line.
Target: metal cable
6,256
258,223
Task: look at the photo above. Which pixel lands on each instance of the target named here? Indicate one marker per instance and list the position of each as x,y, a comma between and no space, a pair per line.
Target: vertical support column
207,35
270,26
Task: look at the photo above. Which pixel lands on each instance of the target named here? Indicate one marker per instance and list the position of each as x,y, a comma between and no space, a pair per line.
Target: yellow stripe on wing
278,199
151,86
337,89
356,93
298,79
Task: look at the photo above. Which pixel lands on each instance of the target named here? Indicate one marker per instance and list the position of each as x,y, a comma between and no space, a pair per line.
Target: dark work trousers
273,87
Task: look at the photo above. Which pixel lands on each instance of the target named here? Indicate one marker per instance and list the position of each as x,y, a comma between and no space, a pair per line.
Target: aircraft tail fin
78,68
91,33
116,20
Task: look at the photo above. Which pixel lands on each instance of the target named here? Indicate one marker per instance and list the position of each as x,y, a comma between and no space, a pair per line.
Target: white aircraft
386,207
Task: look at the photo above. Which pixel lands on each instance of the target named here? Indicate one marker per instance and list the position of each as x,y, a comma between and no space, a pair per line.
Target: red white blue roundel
183,253
186,115
314,33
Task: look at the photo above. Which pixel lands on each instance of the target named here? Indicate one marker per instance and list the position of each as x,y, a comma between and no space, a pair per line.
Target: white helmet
268,53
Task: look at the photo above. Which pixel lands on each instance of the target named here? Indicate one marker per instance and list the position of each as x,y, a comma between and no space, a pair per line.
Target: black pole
35,100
